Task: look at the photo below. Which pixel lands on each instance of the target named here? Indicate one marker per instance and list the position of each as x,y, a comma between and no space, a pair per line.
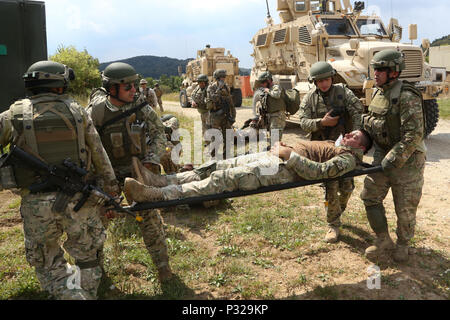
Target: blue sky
118,29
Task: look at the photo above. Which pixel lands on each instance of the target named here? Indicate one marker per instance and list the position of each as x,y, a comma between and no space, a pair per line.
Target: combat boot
332,234
401,253
154,180
382,243
138,192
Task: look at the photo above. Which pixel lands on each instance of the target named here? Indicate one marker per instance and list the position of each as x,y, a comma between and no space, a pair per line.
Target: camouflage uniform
159,94
150,96
218,119
43,228
309,160
100,107
275,106
199,97
397,129
166,159
313,108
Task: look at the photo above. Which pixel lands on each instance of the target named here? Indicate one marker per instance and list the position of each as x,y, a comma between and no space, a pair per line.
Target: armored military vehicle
23,41
337,32
208,60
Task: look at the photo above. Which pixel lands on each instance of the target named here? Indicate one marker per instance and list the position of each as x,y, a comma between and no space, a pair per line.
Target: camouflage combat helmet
157,84
143,81
202,78
266,75
321,70
118,72
48,74
388,58
219,73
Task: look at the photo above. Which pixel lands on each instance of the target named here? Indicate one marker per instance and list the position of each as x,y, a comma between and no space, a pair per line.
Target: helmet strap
117,86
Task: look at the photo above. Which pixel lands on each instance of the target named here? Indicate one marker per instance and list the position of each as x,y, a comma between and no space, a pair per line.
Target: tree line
87,72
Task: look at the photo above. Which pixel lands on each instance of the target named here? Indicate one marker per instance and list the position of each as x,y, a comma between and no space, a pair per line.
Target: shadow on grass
196,217
426,268
396,286
174,289
30,294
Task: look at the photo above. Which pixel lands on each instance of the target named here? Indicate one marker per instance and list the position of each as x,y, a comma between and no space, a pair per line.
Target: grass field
265,246
444,108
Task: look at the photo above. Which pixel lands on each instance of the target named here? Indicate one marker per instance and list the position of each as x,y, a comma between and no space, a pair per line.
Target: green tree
85,66
151,82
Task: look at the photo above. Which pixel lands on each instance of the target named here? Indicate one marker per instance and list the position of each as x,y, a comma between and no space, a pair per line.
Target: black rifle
264,119
125,114
66,179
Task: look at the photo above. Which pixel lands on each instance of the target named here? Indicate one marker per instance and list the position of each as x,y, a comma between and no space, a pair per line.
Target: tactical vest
275,105
201,106
158,92
319,151
123,139
49,127
336,99
383,119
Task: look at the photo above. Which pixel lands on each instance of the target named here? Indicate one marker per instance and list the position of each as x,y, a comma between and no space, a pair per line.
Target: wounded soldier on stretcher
310,160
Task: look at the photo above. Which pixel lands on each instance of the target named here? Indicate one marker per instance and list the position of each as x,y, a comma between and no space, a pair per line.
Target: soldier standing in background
125,142
159,94
395,122
53,127
148,93
328,111
271,107
171,124
222,113
199,100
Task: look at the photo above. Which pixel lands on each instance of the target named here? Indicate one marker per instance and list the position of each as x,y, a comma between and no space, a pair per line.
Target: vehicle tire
431,115
184,101
237,97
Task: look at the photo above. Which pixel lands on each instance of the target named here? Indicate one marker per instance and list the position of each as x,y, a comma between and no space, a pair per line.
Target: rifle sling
368,169
121,116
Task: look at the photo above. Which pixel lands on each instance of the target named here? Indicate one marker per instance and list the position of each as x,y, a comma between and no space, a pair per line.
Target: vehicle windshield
371,26
339,27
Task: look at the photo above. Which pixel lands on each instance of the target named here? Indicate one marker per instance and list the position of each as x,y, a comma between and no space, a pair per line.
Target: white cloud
73,18
113,29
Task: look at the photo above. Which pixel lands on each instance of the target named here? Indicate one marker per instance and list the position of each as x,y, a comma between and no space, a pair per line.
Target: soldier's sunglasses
382,69
129,86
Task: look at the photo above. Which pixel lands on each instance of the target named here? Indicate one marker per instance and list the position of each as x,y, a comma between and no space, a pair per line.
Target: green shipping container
23,41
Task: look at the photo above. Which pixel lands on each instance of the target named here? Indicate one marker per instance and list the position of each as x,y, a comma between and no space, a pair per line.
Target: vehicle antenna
268,11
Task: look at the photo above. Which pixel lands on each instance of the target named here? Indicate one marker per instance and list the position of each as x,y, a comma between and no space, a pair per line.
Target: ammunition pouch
137,136
7,178
377,128
117,145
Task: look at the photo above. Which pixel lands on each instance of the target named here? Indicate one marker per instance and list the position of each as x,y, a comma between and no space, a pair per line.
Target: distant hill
244,71
445,40
152,66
